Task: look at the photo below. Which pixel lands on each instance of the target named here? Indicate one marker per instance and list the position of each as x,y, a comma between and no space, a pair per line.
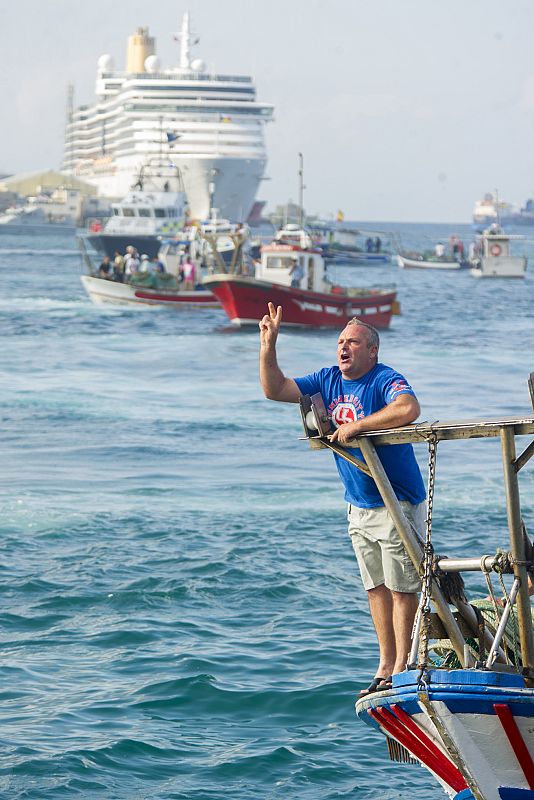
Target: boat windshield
279,262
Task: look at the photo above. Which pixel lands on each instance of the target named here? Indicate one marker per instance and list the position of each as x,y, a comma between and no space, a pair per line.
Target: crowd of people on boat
456,250
125,267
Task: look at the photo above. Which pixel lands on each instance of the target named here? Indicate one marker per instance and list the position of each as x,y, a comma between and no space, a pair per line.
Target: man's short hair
372,336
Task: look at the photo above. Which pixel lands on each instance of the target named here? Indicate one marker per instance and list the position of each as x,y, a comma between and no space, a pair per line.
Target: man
296,272
360,395
131,261
104,270
144,266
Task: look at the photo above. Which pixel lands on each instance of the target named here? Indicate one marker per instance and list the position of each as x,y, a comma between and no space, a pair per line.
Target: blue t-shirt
347,401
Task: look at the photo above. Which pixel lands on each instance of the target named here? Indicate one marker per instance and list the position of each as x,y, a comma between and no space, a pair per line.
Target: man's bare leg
404,608
381,607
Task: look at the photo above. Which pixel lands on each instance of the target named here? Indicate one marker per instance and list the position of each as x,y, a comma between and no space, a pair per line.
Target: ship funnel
140,47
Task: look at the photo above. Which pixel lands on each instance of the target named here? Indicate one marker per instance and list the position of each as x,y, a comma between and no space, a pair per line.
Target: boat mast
185,42
301,190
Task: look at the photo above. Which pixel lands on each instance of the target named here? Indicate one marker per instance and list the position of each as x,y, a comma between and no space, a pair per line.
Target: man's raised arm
274,383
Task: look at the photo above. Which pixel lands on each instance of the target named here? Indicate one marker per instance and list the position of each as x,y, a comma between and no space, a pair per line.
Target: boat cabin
278,262
155,209
495,242
496,259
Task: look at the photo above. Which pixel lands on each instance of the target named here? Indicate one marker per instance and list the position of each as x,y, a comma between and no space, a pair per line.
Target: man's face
354,356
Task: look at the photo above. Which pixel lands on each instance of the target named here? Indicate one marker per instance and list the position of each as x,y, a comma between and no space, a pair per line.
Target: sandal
386,685
373,686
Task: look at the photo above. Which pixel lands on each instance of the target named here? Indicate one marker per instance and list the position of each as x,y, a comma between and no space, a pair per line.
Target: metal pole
499,633
413,548
483,564
513,510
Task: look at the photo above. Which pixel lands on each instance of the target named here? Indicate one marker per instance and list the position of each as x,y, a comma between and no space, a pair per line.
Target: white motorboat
412,260
496,259
155,207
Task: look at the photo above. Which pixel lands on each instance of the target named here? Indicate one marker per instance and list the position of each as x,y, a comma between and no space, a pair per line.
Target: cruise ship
209,125
491,209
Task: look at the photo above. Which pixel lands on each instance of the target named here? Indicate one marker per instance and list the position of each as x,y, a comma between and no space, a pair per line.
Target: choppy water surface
181,613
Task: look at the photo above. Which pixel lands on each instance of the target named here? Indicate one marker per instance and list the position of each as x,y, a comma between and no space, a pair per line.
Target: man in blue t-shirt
360,395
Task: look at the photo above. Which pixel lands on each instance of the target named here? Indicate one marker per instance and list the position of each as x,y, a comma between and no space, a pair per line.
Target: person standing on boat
189,272
296,272
360,395
118,267
104,270
131,261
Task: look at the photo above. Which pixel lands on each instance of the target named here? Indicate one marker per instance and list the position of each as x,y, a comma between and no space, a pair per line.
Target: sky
405,110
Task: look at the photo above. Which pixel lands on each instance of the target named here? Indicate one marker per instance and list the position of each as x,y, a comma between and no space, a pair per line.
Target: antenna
184,37
301,190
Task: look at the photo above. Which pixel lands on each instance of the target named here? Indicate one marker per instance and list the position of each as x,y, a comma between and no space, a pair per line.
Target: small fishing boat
464,706
427,260
495,259
342,245
311,299
144,289
104,291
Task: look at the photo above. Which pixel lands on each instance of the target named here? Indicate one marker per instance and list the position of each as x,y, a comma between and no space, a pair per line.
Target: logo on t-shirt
345,408
397,387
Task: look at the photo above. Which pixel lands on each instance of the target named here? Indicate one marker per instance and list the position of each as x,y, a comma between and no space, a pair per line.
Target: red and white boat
103,292
315,302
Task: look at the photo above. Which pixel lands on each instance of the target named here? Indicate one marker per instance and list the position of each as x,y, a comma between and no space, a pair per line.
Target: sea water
181,611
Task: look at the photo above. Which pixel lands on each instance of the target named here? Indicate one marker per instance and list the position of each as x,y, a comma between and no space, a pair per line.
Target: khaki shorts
381,555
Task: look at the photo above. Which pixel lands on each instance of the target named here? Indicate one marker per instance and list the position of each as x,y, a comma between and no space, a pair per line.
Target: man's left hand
346,432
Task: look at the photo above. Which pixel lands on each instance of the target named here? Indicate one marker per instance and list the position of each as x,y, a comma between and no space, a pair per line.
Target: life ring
495,249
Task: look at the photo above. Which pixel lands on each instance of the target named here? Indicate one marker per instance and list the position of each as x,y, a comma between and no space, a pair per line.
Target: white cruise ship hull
236,183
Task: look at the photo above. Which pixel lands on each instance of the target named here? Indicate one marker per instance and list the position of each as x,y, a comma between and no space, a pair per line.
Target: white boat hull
473,730
407,262
235,180
500,267
107,292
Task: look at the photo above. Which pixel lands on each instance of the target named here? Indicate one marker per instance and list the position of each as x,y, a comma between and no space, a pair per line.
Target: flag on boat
340,216
171,137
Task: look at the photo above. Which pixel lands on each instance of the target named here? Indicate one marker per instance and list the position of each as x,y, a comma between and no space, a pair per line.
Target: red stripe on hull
506,718
416,743
246,301
197,299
